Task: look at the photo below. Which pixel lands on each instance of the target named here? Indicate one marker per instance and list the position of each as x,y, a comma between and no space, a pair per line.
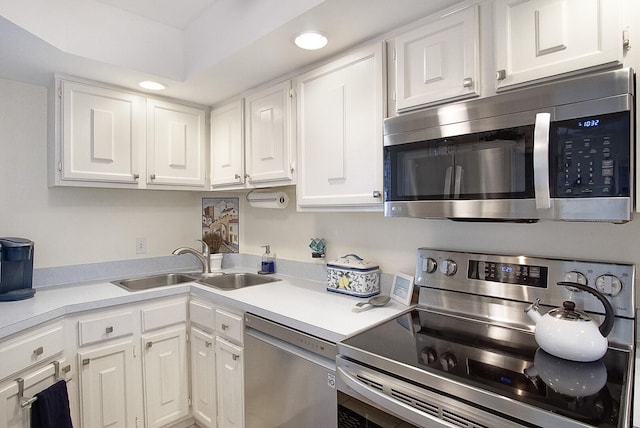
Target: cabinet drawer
229,325
31,348
202,314
105,328
163,315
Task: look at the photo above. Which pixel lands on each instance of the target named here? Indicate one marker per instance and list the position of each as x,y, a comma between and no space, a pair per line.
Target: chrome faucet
202,256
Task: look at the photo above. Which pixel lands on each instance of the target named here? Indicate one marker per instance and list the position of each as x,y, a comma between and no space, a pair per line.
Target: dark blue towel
51,409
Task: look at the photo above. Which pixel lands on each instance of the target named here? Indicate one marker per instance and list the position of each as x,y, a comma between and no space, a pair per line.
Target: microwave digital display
592,156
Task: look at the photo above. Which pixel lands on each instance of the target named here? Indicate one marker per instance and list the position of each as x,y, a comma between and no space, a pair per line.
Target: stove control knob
429,265
448,267
448,361
428,355
609,284
575,276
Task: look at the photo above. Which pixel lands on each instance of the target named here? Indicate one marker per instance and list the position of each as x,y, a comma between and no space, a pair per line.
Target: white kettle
571,334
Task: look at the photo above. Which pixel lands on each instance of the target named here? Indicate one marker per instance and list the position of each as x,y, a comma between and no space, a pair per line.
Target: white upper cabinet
340,114
537,39
268,131
227,145
176,144
100,134
106,137
438,61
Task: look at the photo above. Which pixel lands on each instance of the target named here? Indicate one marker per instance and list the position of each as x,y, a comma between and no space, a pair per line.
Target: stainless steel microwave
558,151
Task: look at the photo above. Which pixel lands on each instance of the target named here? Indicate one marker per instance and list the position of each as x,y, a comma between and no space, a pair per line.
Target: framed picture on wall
221,224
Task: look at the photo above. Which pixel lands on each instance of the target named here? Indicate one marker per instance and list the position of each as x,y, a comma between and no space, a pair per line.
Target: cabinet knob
152,177
86,361
136,176
38,351
247,175
109,330
236,357
377,194
468,82
224,327
149,344
237,176
207,344
501,74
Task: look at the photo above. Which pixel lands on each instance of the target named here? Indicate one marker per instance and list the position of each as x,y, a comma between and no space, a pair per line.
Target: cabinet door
165,372
227,145
175,144
268,143
230,374
439,61
110,387
540,38
203,378
340,113
12,414
102,134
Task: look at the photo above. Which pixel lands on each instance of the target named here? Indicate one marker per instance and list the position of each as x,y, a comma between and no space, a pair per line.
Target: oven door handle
541,160
390,404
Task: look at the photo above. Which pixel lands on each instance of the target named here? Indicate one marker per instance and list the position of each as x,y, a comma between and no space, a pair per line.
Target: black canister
16,269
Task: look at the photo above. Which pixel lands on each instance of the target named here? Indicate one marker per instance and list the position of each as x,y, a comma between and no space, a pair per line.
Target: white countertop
301,304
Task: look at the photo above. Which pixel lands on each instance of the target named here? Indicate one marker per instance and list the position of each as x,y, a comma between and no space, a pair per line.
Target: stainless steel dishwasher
289,377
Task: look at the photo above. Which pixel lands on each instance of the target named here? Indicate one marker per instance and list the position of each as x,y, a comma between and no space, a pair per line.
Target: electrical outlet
141,245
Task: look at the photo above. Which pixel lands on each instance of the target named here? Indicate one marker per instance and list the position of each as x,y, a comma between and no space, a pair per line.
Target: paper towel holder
267,199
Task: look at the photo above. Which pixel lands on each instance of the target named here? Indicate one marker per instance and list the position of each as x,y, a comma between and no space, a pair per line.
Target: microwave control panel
592,156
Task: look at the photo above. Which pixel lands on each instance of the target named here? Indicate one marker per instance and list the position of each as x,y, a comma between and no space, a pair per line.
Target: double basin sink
225,281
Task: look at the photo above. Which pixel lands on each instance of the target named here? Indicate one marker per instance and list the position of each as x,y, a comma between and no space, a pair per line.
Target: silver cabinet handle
501,74
38,351
86,361
377,194
468,82
152,177
109,330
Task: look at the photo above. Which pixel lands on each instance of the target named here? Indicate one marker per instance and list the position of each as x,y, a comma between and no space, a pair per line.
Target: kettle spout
532,311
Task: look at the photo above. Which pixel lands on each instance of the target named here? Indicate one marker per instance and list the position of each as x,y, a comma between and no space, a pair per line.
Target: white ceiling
204,51
174,13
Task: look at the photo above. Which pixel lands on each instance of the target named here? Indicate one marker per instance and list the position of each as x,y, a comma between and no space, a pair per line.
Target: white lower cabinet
230,374
110,392
166,376
203,378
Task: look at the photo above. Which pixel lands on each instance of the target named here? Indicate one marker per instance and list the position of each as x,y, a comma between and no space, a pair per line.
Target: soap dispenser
268,263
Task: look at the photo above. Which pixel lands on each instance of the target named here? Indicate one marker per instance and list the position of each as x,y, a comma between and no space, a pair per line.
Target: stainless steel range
466,356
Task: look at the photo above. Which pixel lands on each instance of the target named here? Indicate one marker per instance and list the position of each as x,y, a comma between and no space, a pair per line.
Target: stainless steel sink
234,281
154,281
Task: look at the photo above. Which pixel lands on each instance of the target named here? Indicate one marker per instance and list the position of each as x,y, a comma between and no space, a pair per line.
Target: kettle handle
607,325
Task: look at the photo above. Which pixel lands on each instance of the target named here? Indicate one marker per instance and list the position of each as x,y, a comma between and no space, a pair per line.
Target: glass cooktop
499,360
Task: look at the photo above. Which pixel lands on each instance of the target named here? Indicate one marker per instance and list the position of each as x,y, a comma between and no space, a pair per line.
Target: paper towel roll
268,199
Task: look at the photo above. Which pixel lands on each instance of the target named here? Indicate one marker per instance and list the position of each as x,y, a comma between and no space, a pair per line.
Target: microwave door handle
458,183
447,183
541,160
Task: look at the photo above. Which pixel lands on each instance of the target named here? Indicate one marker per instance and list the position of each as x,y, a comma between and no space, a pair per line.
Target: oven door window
486,165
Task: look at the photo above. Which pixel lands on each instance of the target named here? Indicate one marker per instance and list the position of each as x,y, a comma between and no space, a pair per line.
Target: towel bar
27,402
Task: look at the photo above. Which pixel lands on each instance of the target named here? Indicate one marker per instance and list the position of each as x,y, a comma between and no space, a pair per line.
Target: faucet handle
206,251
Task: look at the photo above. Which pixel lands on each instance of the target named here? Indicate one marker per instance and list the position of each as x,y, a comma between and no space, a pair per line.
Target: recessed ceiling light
151,85
311,40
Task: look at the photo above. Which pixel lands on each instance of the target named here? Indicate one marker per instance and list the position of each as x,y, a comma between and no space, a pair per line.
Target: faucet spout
203,259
